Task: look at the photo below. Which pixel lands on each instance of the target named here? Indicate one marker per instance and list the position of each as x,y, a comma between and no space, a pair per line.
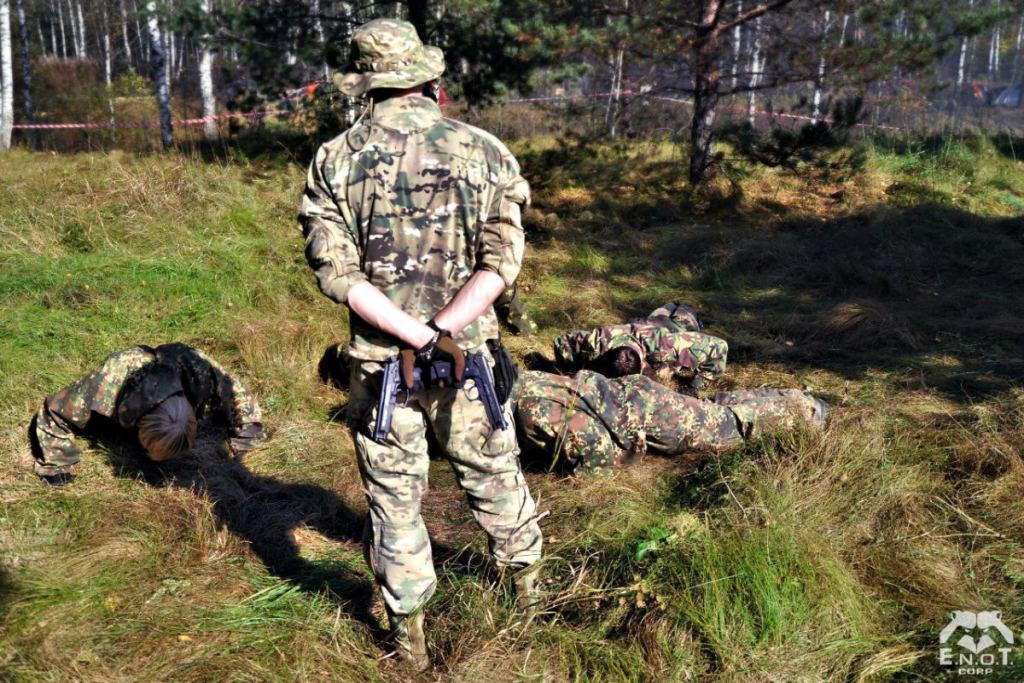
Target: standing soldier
413,221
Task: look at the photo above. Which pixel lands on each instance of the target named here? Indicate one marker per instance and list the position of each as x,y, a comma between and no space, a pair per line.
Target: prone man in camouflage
413,220
589,422
132,385
670,338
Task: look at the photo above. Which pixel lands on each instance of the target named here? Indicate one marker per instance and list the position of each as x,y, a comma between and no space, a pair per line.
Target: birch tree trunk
182,56
63,36
169,47
319,26
962,64
961,70
348,109
82,51
106,64
615,95
124,35
820,76
997,44
76,42
159,64
737,47
756,67
6,77
210,130
993,52
143,47
74,28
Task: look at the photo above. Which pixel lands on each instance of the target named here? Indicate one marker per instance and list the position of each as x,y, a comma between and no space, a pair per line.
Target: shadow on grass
6,591
928,293
262,510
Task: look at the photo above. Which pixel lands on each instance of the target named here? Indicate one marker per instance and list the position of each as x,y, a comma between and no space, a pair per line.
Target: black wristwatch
441,332
426,352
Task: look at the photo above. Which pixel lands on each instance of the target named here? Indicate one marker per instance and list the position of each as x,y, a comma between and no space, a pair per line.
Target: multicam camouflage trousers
394,473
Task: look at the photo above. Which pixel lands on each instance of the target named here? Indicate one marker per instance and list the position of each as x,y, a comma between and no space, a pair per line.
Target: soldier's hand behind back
447,349
408,357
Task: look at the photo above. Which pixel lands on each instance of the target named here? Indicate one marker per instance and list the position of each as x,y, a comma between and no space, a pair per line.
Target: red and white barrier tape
524,100
138,124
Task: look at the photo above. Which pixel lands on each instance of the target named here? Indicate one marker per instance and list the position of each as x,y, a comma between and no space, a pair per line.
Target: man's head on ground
620,362
169,430
389,57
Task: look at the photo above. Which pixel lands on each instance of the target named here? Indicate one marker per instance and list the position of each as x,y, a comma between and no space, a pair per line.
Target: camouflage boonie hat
388,53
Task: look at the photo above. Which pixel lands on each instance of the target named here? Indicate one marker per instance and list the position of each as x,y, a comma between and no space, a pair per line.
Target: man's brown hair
169,430
620,362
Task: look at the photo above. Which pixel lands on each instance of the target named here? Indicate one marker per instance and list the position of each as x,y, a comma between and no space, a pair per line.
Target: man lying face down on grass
589,422
669,340
157,392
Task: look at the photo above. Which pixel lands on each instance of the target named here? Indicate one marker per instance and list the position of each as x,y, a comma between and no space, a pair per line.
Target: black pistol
438,372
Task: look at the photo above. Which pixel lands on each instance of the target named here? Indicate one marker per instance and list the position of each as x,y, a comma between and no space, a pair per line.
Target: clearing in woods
892,289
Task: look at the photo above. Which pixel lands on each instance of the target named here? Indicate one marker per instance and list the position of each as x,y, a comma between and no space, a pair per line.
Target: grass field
892,288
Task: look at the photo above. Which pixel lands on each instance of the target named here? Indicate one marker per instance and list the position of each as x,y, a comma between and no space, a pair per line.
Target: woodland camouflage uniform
589,422
414,203
670,337
129,384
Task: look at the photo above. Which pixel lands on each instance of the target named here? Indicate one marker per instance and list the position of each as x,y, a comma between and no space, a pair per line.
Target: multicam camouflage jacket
414,203
129,384
588,422
670,337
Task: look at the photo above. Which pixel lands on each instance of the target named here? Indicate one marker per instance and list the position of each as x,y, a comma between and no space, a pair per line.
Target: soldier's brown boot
528,593
410,641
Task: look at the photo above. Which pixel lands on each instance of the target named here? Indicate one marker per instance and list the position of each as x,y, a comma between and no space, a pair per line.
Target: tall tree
688,45
819,80
210,130
26,66
418,14
107,63
965,41
82,48
708,31
124,34
158,63
756,69
6,77
63,34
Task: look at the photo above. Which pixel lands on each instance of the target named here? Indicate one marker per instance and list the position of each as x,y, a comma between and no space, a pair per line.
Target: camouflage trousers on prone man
394,473
589,422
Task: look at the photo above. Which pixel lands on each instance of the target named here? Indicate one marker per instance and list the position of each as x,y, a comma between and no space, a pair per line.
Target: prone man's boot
410,641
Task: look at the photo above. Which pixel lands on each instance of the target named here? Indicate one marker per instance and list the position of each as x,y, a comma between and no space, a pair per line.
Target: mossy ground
893,289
